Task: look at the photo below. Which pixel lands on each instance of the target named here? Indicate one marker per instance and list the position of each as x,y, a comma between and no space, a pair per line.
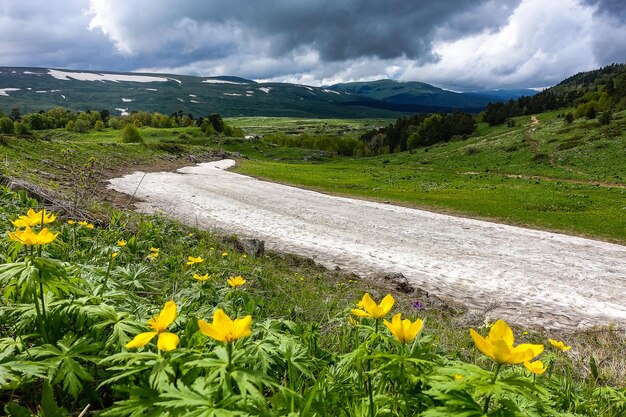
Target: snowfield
526,276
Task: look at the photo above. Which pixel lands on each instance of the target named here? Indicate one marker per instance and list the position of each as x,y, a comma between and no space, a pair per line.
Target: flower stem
403,379
229,346
493,381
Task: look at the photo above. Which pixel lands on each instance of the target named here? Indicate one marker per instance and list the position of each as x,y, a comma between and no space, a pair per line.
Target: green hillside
35,89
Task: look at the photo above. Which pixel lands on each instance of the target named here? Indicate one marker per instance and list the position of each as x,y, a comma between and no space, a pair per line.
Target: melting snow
212,81
91,76
127,100
194,101
5,91
123,112
331,91
63,96
192,95
232,94
266,90
41,91
31,73
180,99
152,89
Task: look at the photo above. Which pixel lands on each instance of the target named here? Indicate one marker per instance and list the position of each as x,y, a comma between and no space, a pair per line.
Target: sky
462,45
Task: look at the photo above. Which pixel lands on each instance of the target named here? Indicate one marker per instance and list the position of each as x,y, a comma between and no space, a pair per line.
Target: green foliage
6,125
130,134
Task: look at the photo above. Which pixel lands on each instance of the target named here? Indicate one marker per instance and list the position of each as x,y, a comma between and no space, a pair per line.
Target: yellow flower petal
501,330
167,341
386,304
360,313
535,367
140,340
559,345
166,317
223,329
481,343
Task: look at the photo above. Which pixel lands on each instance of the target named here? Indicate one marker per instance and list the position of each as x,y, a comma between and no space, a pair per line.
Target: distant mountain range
35,89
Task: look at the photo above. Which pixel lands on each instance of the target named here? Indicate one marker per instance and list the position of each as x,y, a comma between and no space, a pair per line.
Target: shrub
6,125
131,134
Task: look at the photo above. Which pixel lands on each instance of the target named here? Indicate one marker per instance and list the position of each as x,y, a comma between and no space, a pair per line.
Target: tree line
417,131
591,94
60,118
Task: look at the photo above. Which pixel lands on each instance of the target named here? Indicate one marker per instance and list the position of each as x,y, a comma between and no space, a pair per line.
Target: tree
15,115
131,134
6,125
21,128
569,118
99,126
217,122
605,118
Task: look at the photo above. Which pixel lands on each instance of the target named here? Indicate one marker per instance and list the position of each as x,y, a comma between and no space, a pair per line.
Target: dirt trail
533,277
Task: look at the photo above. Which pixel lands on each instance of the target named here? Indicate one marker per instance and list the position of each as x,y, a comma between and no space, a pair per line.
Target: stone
253,247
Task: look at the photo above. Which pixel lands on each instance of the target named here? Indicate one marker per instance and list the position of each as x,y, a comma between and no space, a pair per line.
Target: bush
99,126
6,125
131,134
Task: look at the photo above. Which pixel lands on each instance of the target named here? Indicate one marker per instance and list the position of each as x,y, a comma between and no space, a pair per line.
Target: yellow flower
153,256
499,345
167,341
404,330
71,222
369,308
30,238
86,224
559,345
237,281
154,250
458,377
121,243
34,218
223,329
224,254
535,367
115,255
201,278
192,260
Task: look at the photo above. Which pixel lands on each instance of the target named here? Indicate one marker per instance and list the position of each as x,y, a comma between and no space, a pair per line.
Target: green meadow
118,314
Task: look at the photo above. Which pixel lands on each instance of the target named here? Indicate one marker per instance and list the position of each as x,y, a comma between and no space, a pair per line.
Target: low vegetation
141,316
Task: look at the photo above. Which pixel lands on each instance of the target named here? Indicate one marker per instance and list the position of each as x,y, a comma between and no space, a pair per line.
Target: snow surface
92,76
526,276
266,90
127,100
212,81
6,91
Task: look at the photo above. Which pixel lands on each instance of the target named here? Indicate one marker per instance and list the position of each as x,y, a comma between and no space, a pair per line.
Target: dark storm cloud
337,29
612,8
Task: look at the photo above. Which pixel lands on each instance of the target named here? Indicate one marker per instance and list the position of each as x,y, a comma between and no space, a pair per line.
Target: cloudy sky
455,44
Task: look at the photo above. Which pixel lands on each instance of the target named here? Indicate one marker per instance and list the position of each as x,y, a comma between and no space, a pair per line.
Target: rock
399,281
253,247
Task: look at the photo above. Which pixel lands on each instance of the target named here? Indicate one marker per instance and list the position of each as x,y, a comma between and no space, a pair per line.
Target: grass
303,356
513,175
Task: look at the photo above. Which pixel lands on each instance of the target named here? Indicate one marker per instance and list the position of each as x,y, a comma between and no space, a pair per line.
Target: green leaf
49,407
14,410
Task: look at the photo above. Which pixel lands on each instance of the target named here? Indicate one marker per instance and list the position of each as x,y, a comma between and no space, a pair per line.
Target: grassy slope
553,176
439,182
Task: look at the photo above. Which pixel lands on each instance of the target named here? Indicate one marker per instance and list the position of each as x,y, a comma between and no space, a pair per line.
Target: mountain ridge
32,89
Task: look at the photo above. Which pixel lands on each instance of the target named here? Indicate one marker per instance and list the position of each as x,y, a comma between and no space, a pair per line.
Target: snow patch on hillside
127,100
92,76
123,112
331,91
266,90
6,91
213,81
